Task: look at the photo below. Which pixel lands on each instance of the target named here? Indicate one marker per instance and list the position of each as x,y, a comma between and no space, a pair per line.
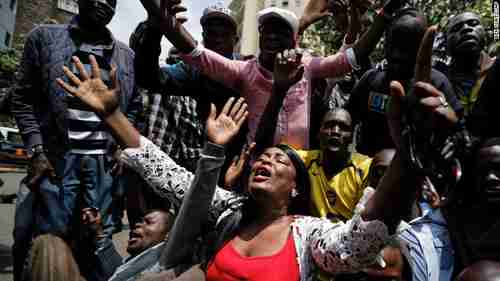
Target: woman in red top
257,242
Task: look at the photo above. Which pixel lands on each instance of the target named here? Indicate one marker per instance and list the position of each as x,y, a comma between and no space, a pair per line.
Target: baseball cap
285,15
217,11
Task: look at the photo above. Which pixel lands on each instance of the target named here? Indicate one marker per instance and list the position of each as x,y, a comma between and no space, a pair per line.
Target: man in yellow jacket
338,175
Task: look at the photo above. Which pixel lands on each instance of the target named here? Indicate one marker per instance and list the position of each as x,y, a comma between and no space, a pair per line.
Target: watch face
37,149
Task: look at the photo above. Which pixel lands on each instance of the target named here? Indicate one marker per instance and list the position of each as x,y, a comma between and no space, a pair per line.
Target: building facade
31,13
296,6
7,22
245,12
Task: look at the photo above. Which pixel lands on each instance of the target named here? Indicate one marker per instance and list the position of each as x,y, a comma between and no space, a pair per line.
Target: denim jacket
40,112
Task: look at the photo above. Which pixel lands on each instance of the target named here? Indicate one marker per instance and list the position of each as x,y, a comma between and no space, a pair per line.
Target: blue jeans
23,228
86,182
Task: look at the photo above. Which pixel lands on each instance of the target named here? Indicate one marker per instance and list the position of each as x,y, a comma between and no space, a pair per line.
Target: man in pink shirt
278,30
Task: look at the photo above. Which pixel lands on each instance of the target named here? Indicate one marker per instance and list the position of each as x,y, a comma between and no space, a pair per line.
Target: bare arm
369,40
264,136
314,11
170,24
195,206
92,91
145,41
288,70
122,130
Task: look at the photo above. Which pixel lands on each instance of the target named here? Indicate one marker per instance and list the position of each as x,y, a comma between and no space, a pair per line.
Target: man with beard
68,146
370,97
278,30
466,38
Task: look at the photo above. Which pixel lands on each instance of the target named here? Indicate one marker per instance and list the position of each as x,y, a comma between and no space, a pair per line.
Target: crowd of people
279,165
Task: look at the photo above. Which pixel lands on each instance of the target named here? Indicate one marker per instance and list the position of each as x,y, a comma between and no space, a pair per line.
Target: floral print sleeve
341,247
167,178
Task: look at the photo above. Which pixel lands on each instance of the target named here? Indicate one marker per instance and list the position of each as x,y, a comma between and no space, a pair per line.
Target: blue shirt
428,246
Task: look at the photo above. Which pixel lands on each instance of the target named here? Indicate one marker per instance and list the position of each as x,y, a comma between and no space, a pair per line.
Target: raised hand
314,11
431,99
234,171
222,128
91,219
91,90
164,13
354,22
288,69
39,167
425,96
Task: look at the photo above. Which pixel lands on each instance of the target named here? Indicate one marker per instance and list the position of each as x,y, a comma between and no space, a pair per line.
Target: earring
294,193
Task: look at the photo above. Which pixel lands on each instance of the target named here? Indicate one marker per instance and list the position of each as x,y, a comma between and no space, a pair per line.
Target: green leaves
323,38
9,61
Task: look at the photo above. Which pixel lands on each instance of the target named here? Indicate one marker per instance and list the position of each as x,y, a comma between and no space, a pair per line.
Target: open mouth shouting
261,173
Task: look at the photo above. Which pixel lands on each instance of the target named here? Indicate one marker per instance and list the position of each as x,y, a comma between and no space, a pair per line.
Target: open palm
91,90
222,128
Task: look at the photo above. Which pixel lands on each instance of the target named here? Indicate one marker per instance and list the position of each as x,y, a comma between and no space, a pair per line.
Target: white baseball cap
287,16
218,11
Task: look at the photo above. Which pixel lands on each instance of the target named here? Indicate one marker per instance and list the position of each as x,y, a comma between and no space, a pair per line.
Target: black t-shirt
486,113
368,104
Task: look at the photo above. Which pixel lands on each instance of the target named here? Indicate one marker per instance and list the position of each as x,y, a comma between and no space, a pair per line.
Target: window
70,6
284,4
7,39
12,4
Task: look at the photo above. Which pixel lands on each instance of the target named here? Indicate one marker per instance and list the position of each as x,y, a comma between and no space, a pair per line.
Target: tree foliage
9,61
323,39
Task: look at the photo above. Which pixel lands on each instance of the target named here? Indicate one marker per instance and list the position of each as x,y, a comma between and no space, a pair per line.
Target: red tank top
229,265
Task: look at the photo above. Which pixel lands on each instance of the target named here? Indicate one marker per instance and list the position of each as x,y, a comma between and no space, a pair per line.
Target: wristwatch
35,151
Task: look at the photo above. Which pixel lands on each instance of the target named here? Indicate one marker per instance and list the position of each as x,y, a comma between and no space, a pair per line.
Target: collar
78,33
135,265
429,214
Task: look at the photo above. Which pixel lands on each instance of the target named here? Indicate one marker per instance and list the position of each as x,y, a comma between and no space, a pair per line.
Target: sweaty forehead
155,215
461,18
274,151
339,115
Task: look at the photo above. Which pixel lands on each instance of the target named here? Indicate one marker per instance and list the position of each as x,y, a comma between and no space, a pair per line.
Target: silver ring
443,101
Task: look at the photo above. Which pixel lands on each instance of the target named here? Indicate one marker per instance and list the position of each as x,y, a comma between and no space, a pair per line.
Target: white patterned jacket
333,247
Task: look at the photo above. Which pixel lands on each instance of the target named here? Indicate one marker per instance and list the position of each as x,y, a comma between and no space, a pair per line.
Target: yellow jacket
336,198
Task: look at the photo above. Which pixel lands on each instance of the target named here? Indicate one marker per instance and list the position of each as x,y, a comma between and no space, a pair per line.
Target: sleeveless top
229,265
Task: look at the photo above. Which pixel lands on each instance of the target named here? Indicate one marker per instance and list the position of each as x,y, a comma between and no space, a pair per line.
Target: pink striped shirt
255,85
